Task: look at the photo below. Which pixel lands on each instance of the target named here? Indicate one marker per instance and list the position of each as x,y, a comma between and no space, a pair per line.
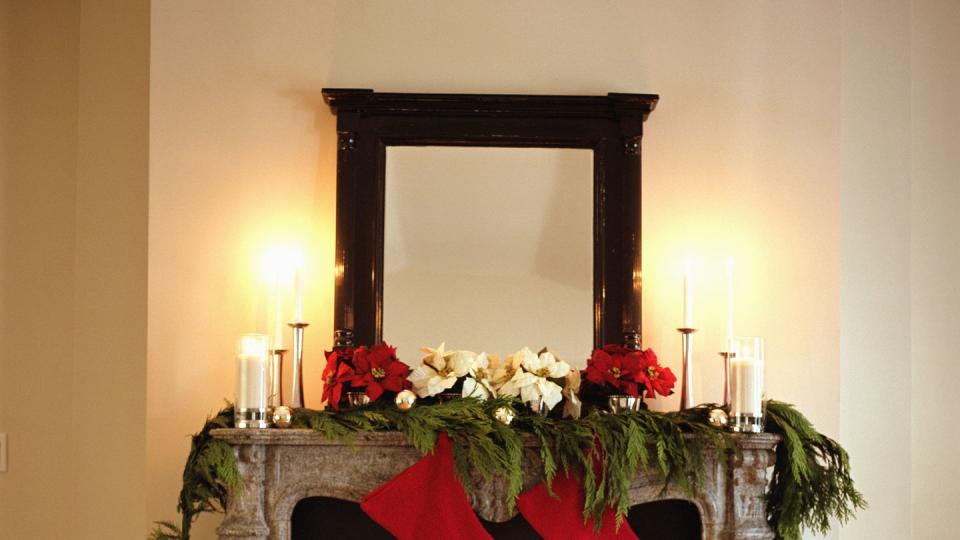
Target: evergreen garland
810,483
481,443
609,448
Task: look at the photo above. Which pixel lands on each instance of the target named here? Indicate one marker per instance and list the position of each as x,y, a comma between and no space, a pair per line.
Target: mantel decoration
619,377
375,372
811,480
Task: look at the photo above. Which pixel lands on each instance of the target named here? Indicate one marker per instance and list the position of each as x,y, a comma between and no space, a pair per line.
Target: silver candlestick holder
275,376
726,378
686,381
296,393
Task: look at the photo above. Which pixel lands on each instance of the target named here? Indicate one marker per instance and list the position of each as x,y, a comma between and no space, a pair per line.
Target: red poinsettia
378,370
656,379
336,374
629,371
623,372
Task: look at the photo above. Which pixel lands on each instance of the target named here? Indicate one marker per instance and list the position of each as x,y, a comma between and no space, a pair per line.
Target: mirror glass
488,249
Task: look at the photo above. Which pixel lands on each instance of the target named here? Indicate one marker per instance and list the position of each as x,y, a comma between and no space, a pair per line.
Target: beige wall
72,370
110,337
874,262
39,212
935,267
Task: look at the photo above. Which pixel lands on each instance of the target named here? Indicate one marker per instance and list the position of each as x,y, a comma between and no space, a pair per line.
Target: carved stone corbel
244,513
748,477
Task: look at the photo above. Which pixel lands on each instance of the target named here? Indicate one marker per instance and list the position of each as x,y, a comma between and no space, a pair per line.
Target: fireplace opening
667,520
329,518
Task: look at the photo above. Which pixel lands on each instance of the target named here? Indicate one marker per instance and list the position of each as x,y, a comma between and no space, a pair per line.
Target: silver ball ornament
504,415
718,418
282,416
405,400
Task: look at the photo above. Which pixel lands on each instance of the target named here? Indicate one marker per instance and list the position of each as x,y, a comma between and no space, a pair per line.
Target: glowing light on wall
282,269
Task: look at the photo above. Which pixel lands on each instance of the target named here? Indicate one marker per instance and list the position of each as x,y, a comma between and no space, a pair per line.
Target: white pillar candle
251,389
687,299
746,370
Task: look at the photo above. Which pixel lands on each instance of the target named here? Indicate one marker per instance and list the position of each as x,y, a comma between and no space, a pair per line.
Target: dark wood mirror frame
368,122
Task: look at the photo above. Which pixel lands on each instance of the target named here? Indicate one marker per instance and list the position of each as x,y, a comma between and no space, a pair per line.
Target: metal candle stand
296,394
275,376
686,381
727,395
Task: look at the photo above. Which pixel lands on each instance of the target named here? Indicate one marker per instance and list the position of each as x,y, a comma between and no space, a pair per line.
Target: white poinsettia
532,381
478,383
502,372
439,370
546,365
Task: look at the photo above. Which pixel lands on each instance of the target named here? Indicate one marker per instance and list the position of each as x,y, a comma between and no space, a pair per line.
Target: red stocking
426,501
562,518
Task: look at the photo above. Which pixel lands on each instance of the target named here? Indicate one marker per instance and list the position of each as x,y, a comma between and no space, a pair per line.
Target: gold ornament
282,416
405,400
504,415
718,418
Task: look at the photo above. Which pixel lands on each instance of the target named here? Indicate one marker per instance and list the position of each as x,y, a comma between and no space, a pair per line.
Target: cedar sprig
811,481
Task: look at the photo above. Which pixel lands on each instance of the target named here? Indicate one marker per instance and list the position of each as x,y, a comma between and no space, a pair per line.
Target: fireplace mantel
281,467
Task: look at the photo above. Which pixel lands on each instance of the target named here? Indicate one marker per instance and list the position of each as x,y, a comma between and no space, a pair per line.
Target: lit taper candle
279,328
729,342
687,298
298,295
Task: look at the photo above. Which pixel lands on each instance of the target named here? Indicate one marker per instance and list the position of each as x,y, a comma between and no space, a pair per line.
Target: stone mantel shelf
279,467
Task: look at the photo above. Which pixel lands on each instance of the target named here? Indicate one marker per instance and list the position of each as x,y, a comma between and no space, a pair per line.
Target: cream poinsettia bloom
502,372
478,383
532,382
439,370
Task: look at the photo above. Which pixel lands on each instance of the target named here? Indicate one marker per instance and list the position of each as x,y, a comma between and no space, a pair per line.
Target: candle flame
253,345
281,262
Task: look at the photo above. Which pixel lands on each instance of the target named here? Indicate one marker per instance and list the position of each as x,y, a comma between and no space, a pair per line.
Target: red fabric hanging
426,501
561,518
